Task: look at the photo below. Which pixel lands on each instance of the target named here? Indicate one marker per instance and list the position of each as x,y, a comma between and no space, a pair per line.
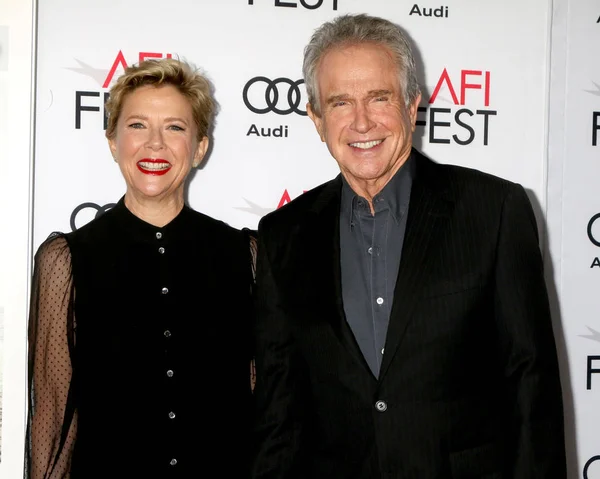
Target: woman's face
155,142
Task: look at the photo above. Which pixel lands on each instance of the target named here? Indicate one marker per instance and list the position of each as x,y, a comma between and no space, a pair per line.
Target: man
403,325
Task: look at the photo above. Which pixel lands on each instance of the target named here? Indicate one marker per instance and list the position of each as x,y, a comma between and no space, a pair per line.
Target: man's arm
278,427
535,434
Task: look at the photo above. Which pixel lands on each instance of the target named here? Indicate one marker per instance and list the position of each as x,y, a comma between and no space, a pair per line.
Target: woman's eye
136,125
176,128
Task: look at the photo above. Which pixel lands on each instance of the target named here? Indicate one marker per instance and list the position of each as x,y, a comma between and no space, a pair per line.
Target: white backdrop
235,41
573,206
499,97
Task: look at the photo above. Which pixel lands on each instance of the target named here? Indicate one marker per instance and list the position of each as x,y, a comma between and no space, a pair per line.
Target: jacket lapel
429,211
327,279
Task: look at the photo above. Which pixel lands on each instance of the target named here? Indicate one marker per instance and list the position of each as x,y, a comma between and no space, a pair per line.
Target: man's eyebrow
336,98
374,93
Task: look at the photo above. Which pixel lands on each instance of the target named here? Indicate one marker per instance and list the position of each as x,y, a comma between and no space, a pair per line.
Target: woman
140,320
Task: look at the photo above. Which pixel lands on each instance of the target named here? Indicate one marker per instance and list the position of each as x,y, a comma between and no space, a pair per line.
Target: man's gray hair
347,30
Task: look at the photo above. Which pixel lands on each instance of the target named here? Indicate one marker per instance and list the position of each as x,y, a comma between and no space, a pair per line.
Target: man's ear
317,120
412,111
201,150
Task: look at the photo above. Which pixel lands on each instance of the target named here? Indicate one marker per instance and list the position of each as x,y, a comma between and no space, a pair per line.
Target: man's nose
362,122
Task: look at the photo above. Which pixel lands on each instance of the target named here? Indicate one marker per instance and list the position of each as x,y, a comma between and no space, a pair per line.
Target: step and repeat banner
483,95
574,217
484,70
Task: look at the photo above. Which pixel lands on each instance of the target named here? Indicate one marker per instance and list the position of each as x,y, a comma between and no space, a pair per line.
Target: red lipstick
153,166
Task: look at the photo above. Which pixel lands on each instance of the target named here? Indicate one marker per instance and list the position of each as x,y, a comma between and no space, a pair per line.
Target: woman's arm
52,418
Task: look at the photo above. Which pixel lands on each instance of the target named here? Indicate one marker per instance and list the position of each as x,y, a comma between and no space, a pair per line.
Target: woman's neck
156,211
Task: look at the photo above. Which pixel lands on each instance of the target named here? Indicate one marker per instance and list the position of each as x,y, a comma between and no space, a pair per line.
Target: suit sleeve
278,419
535,437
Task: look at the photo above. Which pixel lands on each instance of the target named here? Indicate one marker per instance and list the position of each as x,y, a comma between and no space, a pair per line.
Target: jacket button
381,406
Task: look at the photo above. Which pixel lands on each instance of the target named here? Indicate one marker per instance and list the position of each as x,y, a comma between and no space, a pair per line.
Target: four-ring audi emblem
280,104
86,212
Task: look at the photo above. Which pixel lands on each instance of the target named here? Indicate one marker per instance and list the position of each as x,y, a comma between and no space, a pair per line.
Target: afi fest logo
309,5
93,101
260,211
595,115
457,121
278,96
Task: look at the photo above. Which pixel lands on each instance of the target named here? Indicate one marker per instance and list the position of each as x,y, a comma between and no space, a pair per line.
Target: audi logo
590,231
587,466
281,104
86,212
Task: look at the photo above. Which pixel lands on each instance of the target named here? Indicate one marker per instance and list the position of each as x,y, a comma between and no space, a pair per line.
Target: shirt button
172,462
170,372
370,250
167,334
158,235
382,350
171,415
381,406
164,290
380,300
161,250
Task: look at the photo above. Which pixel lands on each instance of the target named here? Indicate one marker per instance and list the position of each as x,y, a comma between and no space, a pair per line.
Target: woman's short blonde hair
160,72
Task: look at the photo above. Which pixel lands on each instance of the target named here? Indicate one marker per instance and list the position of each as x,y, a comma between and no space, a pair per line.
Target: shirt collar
140,231
395,195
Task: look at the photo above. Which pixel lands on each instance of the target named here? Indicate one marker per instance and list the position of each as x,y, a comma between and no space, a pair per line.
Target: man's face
364,119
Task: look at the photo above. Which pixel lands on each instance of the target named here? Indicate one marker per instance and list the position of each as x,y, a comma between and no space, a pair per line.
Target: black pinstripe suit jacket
469,386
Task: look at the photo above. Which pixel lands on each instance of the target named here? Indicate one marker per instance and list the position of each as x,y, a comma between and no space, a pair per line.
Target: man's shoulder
462,179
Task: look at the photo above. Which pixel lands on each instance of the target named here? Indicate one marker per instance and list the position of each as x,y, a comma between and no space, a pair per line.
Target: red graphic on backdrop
103,77
466,124
120,61
258,210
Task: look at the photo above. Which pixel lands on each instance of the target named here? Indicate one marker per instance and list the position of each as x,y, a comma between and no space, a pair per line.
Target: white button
167,334
381,406
173,462
161,250
158,235
382,350
170,373
380,300
370,250
171,415
166,290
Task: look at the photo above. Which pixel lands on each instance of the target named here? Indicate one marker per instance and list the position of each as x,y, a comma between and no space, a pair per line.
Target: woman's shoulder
54,251
205,223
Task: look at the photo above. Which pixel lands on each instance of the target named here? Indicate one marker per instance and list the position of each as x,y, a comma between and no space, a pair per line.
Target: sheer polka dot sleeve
52,415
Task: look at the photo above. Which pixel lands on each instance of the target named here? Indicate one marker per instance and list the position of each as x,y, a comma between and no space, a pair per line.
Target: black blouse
140,346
